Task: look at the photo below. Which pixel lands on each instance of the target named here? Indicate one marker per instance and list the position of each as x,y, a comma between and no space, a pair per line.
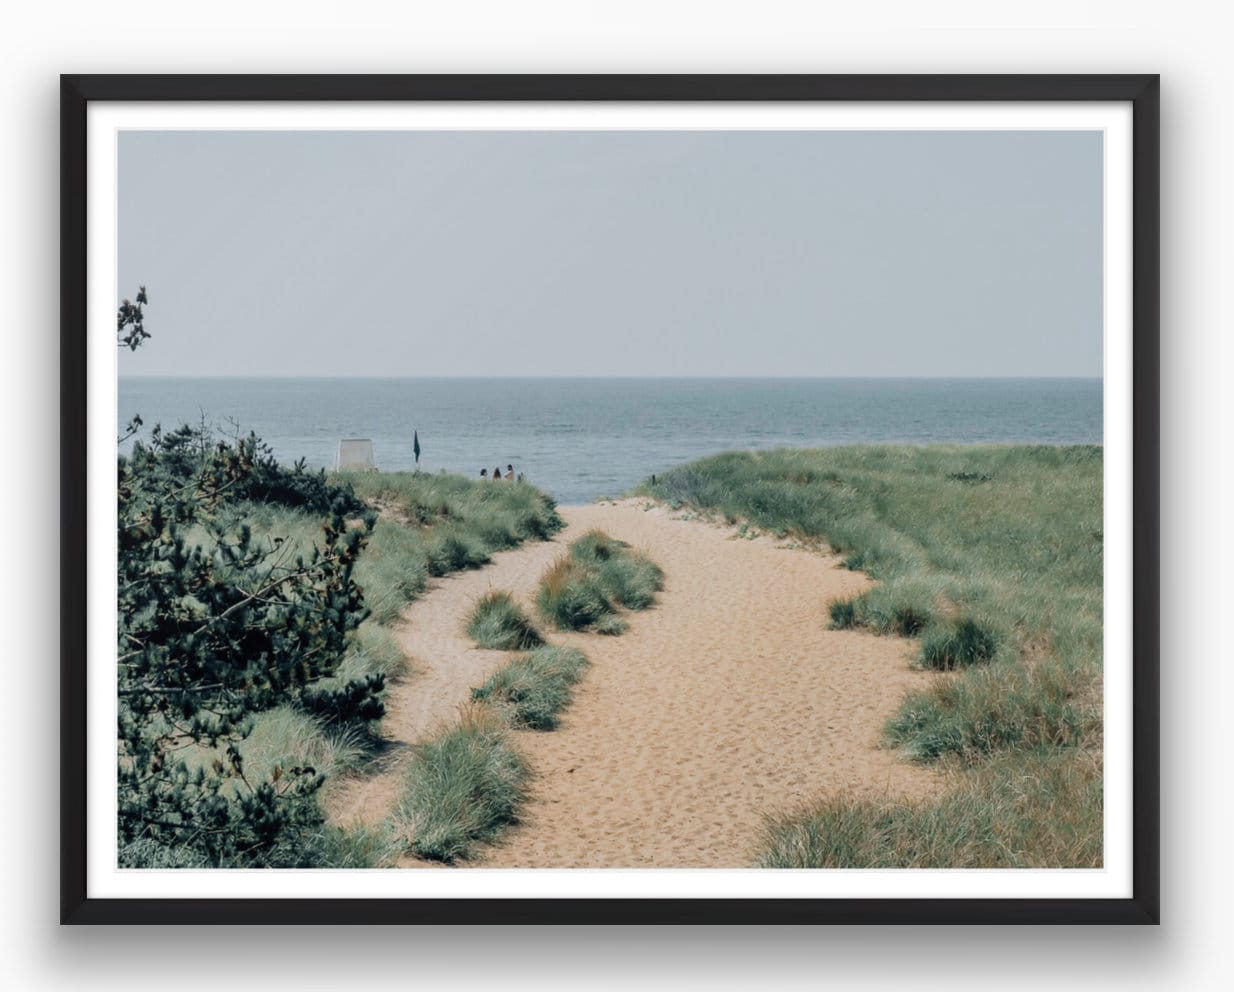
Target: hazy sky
614,253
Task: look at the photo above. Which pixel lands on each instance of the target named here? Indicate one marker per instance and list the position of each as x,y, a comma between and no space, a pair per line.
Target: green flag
415,446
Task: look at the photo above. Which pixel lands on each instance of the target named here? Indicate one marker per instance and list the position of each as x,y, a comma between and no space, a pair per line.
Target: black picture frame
1140,91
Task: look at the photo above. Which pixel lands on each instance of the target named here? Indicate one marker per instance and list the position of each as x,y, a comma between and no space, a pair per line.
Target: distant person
521,477
484,474
497,472
510,472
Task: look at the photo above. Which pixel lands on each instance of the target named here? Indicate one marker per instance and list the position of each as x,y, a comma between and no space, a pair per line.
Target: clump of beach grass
356,847
498,622
904,607
958,644
911,608
610,626
531,690
463,789
583,589
570,598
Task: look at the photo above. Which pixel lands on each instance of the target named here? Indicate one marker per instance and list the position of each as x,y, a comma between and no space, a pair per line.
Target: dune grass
498,516
583,589
992,558
1046,813
432,525
904,606
288,737
498,622
531,690
463,789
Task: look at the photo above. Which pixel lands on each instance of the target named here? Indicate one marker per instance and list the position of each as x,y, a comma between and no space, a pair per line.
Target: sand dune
726,700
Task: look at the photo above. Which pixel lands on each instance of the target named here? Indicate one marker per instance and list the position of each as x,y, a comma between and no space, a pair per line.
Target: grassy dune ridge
992,557
432,525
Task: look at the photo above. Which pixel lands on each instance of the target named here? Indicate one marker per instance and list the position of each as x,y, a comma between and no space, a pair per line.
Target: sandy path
726,700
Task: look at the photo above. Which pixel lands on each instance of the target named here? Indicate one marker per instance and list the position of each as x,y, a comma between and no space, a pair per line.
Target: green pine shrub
214,632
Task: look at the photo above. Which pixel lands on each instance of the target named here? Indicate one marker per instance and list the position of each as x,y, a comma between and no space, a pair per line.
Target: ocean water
584,438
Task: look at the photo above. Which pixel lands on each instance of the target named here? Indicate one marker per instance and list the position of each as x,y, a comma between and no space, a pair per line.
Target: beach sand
726,700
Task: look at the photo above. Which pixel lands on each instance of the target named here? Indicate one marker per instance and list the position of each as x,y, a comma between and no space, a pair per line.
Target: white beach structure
355,452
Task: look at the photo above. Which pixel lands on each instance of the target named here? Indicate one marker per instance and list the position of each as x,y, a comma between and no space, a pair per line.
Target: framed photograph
610,499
